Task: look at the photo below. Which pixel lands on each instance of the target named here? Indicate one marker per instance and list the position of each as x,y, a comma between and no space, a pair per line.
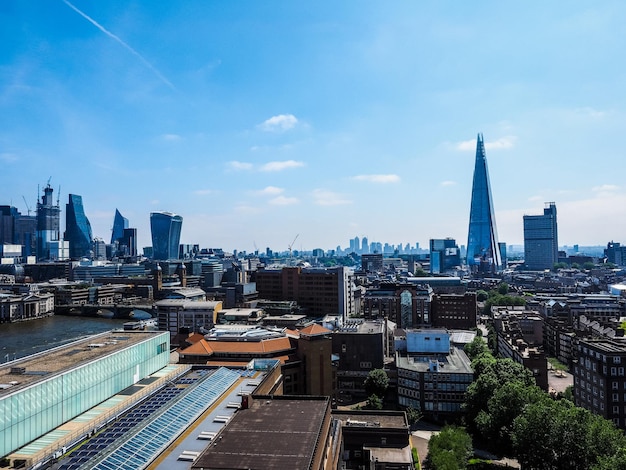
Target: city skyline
257,123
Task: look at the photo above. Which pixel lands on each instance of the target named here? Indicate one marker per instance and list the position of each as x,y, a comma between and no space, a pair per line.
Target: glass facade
29,413
541,245
77,228
166,228
119,224
483,253
48,225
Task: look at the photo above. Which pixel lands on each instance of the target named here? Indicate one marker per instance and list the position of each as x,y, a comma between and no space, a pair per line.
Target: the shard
483,252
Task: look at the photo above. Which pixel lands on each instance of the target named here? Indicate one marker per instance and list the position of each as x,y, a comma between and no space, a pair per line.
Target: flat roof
274,433
382,419
455,363
51,362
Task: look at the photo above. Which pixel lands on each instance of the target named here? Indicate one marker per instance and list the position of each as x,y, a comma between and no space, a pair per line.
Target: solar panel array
138,450
106,441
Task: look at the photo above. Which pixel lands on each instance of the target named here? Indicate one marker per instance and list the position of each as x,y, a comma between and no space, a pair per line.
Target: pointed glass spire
483,253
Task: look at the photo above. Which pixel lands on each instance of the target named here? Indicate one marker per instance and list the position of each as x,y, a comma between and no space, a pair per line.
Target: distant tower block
483,253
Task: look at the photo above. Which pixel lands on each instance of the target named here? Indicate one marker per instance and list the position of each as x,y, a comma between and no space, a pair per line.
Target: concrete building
407,305
188,316
541,244
28,306
454,311
318,291
433,374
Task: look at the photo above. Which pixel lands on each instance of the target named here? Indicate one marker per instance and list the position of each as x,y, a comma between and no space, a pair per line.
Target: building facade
165,228
48,226
541,244
483,252
77,228
445,255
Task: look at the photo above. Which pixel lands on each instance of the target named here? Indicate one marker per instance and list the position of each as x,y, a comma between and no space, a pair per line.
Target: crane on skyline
291,244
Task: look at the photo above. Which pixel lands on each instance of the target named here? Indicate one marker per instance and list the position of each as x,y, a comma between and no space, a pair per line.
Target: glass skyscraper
77,228
48,223
165,228
483,252
541,244
119,224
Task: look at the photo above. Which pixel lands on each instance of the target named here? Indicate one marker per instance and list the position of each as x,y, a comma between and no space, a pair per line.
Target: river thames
24,338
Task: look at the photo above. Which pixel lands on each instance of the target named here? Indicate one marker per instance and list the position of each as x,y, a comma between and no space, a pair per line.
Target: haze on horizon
257,121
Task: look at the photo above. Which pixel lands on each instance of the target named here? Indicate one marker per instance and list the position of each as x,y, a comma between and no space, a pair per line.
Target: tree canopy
450,449
376,383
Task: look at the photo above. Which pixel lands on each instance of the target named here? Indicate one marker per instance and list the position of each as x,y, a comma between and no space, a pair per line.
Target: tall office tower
166,228
8,218
119,224
541,244
365,247
48,226
129,241
357,245
483,254
77,228
444,255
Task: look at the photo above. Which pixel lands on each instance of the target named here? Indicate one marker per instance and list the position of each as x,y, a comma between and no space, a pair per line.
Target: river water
29,337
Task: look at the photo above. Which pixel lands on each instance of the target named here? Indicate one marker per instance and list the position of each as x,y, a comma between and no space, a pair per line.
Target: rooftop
274,433
16,375
456,362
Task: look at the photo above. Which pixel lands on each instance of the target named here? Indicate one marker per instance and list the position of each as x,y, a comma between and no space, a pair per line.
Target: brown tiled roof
194,338
268,346
314,329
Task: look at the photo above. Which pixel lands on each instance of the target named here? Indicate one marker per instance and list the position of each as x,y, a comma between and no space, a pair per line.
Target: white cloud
270,191
170,137
235,165
284,201
377,178
279,166
8,157
590,113
204,192
506,142
279,123
154,202
324,197
605,188
448,183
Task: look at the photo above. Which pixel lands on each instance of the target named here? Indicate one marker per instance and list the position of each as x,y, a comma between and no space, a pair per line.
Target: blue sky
257,121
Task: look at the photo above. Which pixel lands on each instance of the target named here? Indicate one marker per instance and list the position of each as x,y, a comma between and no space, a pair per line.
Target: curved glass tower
165,228
483,252
77,228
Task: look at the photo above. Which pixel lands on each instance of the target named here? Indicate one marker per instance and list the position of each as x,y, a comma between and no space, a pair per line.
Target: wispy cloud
280,166
126,46
283,201
279,123
447,183
8,157
377,178
171,137
235,165
590,112
605,188
501,143
269,191
324,197
204,192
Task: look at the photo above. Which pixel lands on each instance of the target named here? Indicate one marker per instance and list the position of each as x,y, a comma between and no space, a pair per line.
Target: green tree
588,265
613,462
481,295
503,288
376,383
413,415
450,449
476,347
374,402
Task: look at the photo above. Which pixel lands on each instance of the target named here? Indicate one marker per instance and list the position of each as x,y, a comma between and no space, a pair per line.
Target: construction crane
27,206
291,244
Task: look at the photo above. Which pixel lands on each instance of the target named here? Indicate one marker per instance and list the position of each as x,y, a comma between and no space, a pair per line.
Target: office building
483,253
8,217
119,224
615,253
541,247
48,226
444,255
600,378
166,228
41,392
77,228
372,263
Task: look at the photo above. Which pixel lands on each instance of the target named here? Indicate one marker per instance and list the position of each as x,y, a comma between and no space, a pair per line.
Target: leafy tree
450,449
567,394
481,295
507,402
558,266
575,266
588,265
503,288
613,462
376,382
374,402
476,347
413,415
